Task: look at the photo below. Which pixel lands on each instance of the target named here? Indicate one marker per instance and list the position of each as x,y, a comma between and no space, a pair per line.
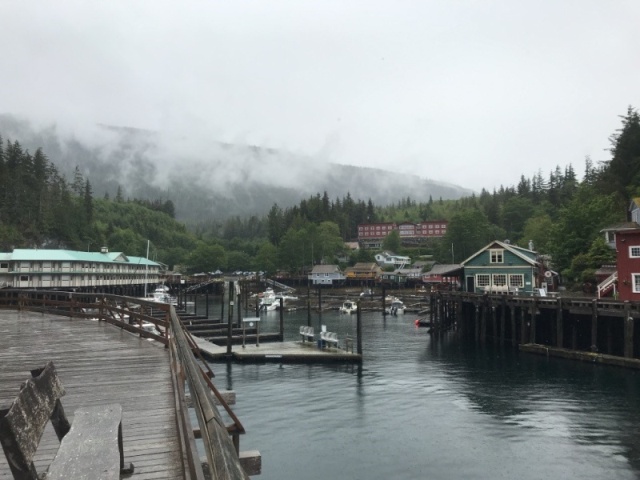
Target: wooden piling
594,325
533,322
503,313
358,330
477,322
628,331
514,331
559,324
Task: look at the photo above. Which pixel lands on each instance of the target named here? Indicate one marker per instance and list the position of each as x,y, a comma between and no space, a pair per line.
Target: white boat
396,307
268,300
161,294
349,307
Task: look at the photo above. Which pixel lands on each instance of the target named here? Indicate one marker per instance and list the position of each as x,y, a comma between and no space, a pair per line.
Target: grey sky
474,93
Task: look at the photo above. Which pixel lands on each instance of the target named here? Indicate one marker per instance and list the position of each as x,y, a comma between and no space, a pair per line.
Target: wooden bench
329,339
307,334
91,448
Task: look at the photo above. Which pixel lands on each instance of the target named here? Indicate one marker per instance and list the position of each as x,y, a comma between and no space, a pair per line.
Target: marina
426,403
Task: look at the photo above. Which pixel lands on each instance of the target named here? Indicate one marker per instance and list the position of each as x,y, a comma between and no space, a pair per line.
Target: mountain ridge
211,181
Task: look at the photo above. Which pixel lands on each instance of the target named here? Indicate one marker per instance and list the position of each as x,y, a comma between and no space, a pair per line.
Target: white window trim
519,276
493,279
635,285
498,251
478,275
631,247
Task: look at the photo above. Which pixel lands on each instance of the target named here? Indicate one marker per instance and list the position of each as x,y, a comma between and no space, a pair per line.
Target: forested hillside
561,214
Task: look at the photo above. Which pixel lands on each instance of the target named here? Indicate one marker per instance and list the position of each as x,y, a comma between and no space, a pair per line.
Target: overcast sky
474,93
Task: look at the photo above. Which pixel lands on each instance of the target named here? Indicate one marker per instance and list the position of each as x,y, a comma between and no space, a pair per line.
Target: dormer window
496,255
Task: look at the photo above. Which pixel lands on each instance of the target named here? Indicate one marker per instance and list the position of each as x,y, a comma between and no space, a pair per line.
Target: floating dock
280,352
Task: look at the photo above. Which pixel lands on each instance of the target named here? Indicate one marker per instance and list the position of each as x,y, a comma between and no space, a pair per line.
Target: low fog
467,93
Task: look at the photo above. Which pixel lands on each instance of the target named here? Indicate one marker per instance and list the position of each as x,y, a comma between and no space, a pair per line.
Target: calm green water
434,408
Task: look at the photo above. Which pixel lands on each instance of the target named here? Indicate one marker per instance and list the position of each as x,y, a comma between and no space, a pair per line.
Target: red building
372,234
628,262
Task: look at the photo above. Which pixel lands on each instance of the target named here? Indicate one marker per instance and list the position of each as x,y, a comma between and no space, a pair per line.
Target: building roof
51,255
365,267
621,227
321,269
447,269
525,254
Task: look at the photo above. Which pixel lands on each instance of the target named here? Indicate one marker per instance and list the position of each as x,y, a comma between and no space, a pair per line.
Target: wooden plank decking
98,364
293,352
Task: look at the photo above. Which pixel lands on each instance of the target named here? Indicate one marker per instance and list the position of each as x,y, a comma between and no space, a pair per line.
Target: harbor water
423,407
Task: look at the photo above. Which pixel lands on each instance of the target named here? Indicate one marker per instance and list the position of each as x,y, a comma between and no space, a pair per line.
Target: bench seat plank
93,447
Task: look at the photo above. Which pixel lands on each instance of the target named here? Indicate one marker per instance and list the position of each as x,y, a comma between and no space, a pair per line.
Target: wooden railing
221,442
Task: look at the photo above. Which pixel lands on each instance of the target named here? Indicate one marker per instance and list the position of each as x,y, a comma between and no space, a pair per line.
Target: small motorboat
349,307
396,307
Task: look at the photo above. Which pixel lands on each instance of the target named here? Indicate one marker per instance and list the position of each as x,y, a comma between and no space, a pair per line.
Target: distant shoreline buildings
371,235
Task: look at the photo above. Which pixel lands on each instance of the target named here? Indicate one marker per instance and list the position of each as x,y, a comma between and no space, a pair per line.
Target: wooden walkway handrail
221,442
222,456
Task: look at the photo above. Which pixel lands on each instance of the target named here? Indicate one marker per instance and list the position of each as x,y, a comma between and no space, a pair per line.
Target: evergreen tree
621,175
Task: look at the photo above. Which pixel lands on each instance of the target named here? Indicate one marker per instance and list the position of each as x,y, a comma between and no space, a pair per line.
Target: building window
634,251
636,282
24,278
516,280
499,280
483,280
496,256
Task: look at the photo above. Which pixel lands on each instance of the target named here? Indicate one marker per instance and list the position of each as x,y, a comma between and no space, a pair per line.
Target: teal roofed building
70,269
502,268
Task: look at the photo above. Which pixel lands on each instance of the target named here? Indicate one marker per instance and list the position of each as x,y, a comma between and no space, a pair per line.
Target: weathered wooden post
308,305
384,301
514,331
503,320
494,321
594,325
459,320
523,326
281,319
483,320
224,292
228,287
358,331
559,324
628,331
534,311
476,318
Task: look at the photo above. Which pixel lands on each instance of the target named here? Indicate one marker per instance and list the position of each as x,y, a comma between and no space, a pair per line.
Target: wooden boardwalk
98,364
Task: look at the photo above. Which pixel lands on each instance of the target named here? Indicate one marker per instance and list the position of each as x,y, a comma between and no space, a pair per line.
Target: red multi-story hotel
372,234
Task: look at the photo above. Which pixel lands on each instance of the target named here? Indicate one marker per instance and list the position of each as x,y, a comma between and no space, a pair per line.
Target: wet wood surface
97,364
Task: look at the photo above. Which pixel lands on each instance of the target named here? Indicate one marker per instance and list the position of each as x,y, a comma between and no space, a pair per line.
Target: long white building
63,269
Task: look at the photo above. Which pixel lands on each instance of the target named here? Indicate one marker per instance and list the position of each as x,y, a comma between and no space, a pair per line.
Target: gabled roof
525,254
321,269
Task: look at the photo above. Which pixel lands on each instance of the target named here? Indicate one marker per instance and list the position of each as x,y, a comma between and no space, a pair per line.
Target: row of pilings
594,326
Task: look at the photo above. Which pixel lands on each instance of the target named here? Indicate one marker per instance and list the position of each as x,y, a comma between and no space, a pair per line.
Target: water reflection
434,407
